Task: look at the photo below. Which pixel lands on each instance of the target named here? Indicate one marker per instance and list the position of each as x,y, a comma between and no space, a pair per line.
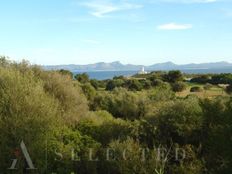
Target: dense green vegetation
76,124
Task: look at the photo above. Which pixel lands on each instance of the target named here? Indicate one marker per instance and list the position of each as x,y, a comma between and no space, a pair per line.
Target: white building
142,71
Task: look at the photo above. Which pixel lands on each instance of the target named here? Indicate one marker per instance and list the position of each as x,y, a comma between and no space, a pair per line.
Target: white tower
143,70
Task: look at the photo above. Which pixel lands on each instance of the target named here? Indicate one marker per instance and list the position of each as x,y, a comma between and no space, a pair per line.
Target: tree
89,91
203,79
196,89
66,72
4,61
174,76
208,86
95,83
73,103
112,84
83,78
229,89
178,121
178,86
134,161
121,104
216,131
133,85
27,113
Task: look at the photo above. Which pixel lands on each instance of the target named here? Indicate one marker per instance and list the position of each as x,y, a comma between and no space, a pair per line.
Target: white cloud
174,26
101,9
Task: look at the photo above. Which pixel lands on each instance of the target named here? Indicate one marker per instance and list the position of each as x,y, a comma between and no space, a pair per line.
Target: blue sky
130,31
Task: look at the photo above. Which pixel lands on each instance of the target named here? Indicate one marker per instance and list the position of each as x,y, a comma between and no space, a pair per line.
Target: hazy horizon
136,64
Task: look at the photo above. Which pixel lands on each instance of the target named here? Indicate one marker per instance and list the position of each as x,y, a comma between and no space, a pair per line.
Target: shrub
89,91
208,86
196,89
83,78
133,85
178,121
95,83
178,86
66,72
27,113
121,103
161,93
133,161
203,79
157,82
229,89
72,103
114,84
103,127
173,76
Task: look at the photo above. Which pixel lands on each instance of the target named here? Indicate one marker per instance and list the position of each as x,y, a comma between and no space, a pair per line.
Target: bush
103,127
203,79
229,89
146,84
89,91
95,83
178,86
133,85
73,103
217,128
196,89
208,86
121,103
161,93
83,78
112,84
178,121
157,82
173,76
133,161
66,72
27,113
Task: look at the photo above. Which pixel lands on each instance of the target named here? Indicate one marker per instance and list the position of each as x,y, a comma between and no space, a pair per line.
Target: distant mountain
100,66
117,66
162,66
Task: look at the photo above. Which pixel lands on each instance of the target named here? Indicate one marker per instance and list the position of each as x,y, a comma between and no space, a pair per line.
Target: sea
103,75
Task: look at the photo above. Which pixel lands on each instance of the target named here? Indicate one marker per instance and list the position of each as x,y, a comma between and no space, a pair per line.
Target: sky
53,32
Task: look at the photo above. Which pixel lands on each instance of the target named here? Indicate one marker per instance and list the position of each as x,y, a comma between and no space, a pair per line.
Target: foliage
112,84
179,86
208,86
95,83
196,89
203,79
133,161
66,72
121,103
173,76
26,113
161,93
133,85
229,89
89,91
83,78
221,79
217,128
50,111
73,104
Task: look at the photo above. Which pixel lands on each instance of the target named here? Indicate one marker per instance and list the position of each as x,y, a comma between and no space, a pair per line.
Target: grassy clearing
213,92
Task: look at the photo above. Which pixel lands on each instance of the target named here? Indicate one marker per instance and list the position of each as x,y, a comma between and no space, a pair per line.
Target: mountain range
118,66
